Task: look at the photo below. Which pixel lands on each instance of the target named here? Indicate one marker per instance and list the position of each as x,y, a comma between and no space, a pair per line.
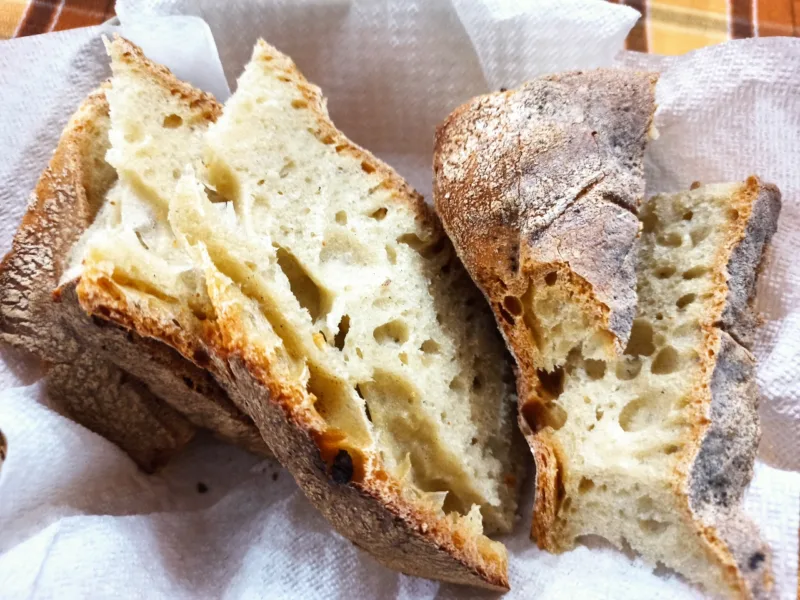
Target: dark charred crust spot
755,560
201,358
342,468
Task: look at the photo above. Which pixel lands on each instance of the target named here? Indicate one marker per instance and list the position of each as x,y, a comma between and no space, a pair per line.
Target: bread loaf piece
139,393
656,448
80,383
538,188
323,295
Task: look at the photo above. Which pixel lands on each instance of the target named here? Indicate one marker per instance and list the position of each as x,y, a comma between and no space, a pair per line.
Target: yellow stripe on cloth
678,26
11,13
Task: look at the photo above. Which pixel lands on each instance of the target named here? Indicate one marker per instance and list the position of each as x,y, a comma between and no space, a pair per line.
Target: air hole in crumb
513,305
552,383
457,384
687,216
427,249
666,361
379,214
590,427
344,329
670,449
477,383
641,413
649,220
307,292
685,300
699,234
507,317
539,415
298,103
359,353
430,347
367,167
141,241
641,340
628,368
659,316
287,168
595,369
652,527
395,331
551,278
172,121
585,485
671,240
403,358
733,214
341,217
695,272
665,272
176,173
598,413
391,254
566,504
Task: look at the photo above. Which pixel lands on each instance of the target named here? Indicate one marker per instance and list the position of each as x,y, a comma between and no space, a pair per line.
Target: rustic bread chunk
323,295
80,383
656,448
538,189
139,393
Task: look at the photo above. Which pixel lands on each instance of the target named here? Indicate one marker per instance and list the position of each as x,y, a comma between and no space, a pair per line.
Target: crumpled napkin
78,519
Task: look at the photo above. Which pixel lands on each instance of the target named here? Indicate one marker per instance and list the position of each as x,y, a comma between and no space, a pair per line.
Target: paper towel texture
76,517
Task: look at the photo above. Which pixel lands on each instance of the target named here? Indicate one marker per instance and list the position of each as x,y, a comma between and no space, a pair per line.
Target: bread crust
548,178
362,501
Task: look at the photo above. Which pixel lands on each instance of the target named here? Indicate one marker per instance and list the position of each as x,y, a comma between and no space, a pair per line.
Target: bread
80,383
651,449
138,393
538,188
656,448
322,294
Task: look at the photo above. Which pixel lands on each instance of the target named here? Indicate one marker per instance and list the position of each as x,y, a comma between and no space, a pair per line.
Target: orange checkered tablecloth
666,26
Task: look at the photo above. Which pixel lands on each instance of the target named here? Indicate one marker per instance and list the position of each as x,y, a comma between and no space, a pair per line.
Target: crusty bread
538,189
626,447
80,383
656,448
322,294
138,393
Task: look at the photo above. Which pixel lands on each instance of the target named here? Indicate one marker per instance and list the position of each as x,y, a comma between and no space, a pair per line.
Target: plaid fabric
666,26
29,17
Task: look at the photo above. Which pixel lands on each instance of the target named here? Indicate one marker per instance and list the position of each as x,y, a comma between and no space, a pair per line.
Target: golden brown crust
363,502
546,179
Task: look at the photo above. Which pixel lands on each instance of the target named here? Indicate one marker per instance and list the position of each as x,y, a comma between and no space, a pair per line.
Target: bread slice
323,295
538,188
656,448
79,383
139,393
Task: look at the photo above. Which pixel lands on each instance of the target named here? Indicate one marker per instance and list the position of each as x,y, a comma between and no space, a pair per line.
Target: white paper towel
76,517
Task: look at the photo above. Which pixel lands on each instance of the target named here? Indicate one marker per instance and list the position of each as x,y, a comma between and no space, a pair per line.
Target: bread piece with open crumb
323,295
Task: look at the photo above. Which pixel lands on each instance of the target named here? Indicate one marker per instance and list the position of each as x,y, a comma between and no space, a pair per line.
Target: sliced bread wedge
80,383
322,294
655,449
138,393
